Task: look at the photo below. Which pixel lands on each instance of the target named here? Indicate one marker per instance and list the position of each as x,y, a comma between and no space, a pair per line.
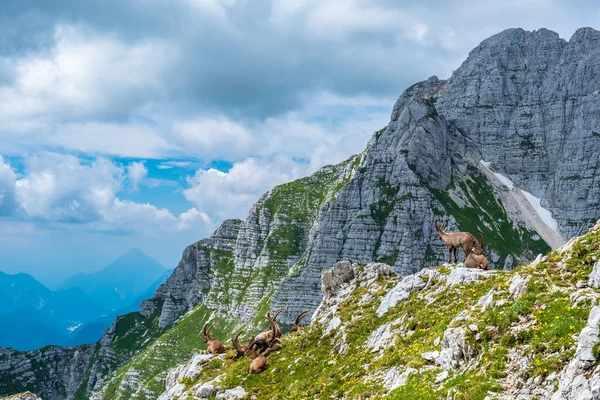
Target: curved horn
234,338
277,313
437,228
481,244
300,316
444,224
273,330
204,328
208,332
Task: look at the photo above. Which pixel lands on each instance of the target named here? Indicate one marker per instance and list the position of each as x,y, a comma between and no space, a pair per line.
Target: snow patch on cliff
544,214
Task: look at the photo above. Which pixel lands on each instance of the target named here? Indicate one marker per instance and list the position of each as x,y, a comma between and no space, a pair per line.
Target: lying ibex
297,325
273,344
214,345
476,259
456,240
262,338
240,349
259,362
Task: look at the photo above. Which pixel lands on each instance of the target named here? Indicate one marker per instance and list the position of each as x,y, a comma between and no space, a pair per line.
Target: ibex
273,344
240,349
476,259
214,345
297,325
259,361
262,338
456,240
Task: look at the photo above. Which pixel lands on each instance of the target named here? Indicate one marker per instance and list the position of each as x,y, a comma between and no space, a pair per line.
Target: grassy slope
484,213
306,367
293,203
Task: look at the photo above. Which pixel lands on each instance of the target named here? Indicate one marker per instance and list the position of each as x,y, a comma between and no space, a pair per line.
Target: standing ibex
476,259
297,325
214,345
240,349
456,240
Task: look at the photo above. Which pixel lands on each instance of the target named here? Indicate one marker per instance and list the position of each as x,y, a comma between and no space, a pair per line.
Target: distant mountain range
32,316
121,283
91,331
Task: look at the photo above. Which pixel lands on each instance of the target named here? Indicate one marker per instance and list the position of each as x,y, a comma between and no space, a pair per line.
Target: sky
145,123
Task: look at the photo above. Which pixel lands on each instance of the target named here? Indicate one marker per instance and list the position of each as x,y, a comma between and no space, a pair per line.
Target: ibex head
478,250
297,325
206,333
440,229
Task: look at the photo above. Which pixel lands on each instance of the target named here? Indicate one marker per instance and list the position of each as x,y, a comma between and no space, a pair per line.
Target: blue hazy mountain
121,283
91,331
31,315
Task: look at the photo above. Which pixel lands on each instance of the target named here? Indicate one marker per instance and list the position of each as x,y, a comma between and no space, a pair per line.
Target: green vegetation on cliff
527,330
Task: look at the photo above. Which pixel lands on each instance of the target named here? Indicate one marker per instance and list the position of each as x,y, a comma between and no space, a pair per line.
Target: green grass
485,214
175,346
307,368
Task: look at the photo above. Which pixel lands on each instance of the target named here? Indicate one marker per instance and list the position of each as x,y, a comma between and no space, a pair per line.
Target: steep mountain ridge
450,150
443,333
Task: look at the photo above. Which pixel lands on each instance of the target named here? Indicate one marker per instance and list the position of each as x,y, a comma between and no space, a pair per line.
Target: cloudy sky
144,123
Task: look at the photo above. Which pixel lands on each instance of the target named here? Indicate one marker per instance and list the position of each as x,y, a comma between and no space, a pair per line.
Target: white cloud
7,188
174,164
213,138
136,172
61,189
78,77
193,218
108,138
418,33
230,194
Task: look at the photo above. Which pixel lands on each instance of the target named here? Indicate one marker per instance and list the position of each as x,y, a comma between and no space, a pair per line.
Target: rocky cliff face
59,371
506,147
445,332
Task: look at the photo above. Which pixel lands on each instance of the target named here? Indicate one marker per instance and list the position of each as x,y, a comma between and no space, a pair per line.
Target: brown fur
456,240
476,259
214,345
259,361
297,325
262,338
274,344
240,349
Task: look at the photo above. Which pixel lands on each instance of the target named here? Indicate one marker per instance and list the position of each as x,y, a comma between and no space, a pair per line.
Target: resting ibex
240,349
456,240
262,338
259,361
476,259
214,345
297,325
273,344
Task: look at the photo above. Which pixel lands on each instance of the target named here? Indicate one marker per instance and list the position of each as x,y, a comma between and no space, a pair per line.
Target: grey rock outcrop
54,372
580,379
